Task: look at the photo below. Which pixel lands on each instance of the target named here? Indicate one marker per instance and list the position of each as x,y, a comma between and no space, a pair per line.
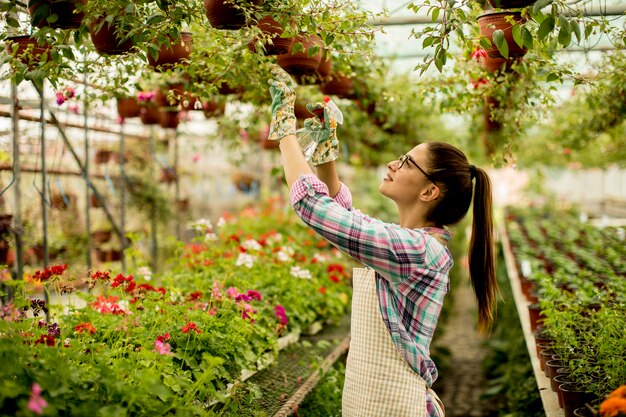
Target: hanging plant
61,14
172,51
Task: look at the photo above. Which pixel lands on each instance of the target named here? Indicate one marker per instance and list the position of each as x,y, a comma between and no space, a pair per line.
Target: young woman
397,297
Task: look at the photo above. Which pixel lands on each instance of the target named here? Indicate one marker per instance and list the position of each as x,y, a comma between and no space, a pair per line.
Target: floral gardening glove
283,99
327,149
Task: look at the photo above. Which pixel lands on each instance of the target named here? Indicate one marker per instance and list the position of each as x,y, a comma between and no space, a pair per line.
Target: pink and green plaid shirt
411,265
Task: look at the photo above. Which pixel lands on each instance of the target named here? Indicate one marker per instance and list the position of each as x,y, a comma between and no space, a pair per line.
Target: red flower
49,272
191,326
163,338
479,82
195,295
103,275
322,290
336,268
335,278
48,339
85,327
107,305
128,281
479,54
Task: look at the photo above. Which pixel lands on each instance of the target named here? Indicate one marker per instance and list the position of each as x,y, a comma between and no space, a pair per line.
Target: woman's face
405,181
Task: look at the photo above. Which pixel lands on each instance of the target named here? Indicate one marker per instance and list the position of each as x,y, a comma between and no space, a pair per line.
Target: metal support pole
87,205
123,193
177,186
44,206
96,193
154,249
17,211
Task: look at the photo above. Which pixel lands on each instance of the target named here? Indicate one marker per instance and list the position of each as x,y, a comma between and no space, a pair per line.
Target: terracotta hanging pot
339,85
29,50
275,45
128,107
93,202
325,68
223,14
67,16
169,95
106,40
490,124
168,175
172,53
149,115
103,156
301,111
101,236
490,22
301,63
213,109
168,117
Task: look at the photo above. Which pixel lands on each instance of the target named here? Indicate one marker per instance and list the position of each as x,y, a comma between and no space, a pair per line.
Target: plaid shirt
411,266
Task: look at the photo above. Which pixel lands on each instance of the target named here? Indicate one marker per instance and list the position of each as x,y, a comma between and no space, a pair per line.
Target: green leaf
546,27
130,8
500,42
527,38
154,19
576,29
485,43
12,22
565,37
588,30
517,35
540,4
297,47
330,38
552,77
436,14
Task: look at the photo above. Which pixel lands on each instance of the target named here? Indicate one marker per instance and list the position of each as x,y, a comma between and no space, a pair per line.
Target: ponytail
481,252
458,181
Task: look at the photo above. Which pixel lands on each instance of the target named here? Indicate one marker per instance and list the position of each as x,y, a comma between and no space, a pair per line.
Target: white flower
145,272
283,256
123,304
274,238
221,222
210,237
252,244
288,250
157,308
175,296
245,260
202,225
321,258
298,272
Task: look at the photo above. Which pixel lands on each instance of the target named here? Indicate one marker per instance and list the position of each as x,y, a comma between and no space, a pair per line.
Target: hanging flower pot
28,50
61,14
213,109
172,52
93,201
224,88
301,111
149,115
275,45
169,95
101,236
183,205
325,68
302,62
168,175
128,107
168,117
224,14
338,85
497,21
103,156
107,39
62,202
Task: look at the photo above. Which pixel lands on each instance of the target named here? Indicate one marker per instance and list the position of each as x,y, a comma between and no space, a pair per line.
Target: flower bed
575,274
177,344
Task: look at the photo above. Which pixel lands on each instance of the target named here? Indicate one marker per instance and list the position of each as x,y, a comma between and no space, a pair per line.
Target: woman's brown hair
458,181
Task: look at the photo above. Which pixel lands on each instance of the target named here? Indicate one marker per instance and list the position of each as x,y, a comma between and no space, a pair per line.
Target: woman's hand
283,98
327,149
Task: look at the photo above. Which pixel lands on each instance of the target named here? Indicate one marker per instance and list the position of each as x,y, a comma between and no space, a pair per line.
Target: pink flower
162,348
60,98
70,92
195,157
247,310
279,311
73,108
479,54
213,311
146,95
36,403
244,134
255,295
232,292
120,120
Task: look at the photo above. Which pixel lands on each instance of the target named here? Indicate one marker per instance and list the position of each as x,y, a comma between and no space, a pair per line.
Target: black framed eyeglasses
402,159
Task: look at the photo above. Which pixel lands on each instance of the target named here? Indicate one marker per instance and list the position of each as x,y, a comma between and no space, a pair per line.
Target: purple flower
60,98
54,330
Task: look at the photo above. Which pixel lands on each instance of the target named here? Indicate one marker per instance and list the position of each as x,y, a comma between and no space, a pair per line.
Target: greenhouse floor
461,383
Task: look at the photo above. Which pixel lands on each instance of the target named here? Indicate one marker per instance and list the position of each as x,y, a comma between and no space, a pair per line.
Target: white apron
379,382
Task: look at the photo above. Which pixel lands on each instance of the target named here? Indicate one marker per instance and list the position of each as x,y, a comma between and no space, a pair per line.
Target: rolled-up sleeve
391,250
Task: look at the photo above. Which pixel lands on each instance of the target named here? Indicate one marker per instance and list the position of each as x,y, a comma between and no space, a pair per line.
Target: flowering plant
615,403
